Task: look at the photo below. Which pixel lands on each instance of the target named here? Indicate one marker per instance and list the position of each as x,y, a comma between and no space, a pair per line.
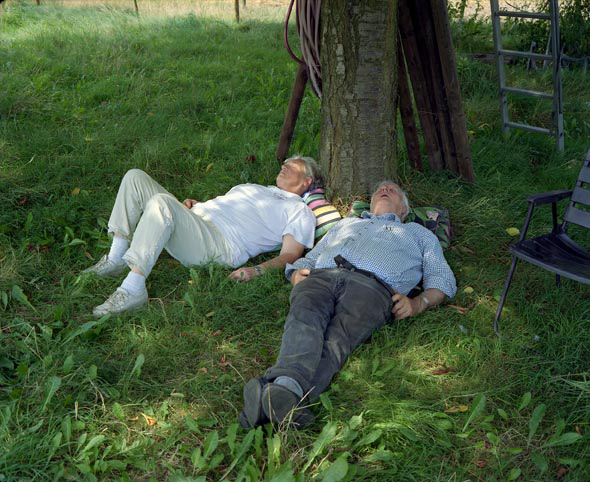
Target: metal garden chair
556,251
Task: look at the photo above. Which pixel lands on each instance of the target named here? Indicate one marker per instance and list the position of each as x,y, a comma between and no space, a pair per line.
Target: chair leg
503,298
557,280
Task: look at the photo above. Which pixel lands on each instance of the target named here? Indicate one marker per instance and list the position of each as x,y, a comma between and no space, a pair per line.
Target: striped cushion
326,215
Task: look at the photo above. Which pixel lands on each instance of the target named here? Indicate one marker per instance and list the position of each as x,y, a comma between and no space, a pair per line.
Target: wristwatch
259,270
426,302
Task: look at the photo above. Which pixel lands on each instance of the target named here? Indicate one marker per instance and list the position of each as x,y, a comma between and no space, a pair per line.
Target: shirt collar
282,194
384,217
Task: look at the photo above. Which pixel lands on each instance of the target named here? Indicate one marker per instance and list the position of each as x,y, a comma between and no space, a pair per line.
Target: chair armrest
548,197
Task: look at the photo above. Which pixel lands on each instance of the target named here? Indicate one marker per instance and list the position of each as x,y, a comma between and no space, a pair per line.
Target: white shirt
253,219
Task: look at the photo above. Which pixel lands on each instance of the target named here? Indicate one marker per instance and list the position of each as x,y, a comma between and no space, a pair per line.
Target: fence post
292,113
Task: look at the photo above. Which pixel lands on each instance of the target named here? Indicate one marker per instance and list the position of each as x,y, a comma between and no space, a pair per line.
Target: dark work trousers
332,312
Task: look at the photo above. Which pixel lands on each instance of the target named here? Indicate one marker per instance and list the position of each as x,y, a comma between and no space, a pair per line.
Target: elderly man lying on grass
344,289
248,220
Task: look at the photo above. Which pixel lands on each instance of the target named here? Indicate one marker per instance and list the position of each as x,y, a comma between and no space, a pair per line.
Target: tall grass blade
524,401
53,384
477,407
567,438
139,361
337,471
241,451
326,436
535,420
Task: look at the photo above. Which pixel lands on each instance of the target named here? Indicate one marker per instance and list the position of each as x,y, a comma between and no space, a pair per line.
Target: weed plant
198,102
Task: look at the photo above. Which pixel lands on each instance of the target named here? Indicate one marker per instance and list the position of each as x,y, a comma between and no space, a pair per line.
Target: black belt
343,263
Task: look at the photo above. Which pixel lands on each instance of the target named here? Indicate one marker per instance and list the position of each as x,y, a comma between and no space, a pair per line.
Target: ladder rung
538,16
532,93
526,127
528,55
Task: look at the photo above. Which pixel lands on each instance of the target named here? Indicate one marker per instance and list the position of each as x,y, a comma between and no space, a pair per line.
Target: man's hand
404,306
189,203
299,275
245,274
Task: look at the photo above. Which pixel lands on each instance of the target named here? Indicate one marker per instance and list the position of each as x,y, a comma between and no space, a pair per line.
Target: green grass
154,395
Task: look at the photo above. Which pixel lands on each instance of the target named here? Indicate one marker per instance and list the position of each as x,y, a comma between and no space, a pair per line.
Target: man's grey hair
311,169
400,191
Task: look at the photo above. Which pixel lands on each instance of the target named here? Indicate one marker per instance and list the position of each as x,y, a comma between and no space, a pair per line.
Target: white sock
118,249
134,283
290,384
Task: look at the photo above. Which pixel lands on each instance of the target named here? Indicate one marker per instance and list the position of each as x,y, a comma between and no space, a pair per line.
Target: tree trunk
237,10
359,93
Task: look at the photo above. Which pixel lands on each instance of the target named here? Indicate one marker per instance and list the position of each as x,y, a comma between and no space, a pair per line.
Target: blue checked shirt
400,254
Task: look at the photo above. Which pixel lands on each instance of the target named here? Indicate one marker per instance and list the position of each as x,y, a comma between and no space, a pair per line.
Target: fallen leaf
88,255
222,362
150,113
133,419
465,249
480,463
468,290
149,420
250,158
457,408
24,200
191,281
217,333
209,166
210,314
513,231
460,309
562,471
204,370
442,371
578,430
75,191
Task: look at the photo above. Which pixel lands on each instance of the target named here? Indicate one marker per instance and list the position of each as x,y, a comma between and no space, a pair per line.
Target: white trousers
153,219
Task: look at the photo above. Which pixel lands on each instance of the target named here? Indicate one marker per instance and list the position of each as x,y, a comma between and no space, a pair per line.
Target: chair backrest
580,198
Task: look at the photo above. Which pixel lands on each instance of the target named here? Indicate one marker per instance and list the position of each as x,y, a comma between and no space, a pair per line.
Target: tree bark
359,93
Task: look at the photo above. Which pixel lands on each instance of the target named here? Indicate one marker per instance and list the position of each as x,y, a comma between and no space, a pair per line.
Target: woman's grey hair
311,169
400,191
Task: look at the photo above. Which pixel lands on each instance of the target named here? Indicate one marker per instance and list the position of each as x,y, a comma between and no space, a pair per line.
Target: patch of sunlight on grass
260,10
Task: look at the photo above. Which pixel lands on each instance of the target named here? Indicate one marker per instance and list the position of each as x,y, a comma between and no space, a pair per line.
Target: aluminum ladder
553,56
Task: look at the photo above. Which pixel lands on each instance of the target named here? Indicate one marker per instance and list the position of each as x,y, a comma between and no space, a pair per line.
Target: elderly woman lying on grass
248,220
345,288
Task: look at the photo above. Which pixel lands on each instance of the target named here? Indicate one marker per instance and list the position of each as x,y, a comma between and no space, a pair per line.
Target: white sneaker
121,300
106,267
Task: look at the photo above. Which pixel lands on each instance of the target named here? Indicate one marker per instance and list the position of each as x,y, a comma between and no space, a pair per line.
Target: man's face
292,177
387,199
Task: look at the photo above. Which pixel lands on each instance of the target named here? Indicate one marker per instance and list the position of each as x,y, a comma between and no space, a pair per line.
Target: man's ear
308,182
